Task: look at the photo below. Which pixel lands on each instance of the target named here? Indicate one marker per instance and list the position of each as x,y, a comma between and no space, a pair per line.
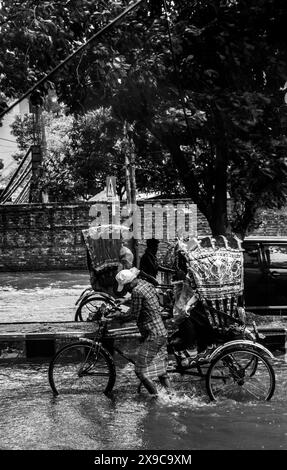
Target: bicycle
90,302
238,369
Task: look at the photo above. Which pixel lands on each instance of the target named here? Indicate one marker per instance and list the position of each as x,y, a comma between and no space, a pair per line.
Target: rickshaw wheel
90,307
241,374
82,368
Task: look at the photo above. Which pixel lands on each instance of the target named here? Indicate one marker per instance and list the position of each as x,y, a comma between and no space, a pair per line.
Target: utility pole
130,164
35,194
131,179
38,149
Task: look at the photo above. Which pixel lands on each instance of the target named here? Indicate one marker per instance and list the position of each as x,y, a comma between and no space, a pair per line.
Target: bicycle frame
98,340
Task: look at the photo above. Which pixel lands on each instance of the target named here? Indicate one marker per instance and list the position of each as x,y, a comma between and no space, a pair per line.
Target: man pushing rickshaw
207,306
207,325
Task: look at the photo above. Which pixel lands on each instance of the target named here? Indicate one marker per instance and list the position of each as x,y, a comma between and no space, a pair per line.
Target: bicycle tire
85,293
82,367
244,383
90,305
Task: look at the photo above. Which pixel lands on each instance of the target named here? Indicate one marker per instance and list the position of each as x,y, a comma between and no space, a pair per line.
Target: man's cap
125,277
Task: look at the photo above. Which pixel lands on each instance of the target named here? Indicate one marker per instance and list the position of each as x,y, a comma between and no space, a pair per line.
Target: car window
276,255
251,256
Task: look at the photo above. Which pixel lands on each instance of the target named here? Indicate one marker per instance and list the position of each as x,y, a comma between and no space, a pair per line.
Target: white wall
8,145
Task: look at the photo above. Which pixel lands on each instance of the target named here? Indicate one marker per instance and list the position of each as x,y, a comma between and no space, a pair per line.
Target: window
276,255
251,256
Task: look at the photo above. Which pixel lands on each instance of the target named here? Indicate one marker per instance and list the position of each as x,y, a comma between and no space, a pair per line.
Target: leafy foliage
82,151
212,103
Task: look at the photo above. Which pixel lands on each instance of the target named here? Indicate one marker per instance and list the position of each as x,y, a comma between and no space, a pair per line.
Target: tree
82,151
23,128
217,97
212,101
37,36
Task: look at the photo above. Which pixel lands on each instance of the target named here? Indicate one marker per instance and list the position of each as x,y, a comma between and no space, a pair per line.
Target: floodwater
32,418
41,296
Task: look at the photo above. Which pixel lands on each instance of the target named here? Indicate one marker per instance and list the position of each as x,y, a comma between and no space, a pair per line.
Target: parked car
265,275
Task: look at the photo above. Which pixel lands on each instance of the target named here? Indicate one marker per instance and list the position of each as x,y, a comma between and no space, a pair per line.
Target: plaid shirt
146,310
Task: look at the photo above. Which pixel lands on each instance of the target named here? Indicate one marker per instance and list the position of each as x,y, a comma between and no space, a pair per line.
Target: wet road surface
32,418
48,296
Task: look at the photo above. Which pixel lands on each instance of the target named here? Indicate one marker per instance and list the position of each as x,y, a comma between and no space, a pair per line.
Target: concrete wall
48,236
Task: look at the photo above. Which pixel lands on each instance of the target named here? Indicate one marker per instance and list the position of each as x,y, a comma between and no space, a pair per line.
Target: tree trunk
131,182
219,220
213,205
187,177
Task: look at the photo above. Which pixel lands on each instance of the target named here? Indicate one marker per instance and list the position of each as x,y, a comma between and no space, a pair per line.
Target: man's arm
134,310
136,304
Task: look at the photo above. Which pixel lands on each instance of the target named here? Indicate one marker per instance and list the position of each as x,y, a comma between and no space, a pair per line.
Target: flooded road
33,419
48,296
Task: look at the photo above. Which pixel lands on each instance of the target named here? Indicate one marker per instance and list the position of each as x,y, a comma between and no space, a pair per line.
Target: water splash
183,399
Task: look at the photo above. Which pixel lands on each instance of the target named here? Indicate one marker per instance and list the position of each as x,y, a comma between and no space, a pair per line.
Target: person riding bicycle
148,262
151,361
191,325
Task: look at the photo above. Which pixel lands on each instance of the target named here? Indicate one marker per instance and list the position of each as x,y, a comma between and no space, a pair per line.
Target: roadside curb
41,340
28,341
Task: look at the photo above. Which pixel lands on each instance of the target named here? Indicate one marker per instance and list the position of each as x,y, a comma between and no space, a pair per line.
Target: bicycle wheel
90,306
86,293
82,368
241,374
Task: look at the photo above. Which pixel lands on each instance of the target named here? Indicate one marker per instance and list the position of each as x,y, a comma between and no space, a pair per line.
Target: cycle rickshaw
105,246
237,365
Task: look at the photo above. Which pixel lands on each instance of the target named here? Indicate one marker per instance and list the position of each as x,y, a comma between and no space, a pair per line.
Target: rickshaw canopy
104,243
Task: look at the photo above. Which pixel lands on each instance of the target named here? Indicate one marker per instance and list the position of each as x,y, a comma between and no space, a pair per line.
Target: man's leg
148,383
203,331
164,380
152,362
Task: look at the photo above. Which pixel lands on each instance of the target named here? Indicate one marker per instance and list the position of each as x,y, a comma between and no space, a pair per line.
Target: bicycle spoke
226,389
255,387
252,393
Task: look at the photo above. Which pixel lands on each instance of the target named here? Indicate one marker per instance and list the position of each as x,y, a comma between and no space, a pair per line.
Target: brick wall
42,237
48,236
273,223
